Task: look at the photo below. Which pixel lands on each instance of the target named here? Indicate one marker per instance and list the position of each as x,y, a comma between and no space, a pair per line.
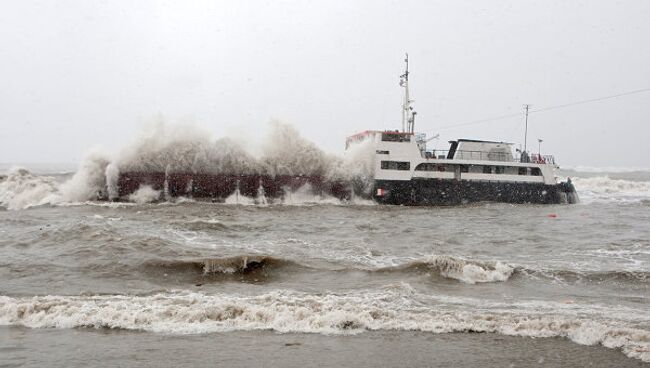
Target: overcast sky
79,74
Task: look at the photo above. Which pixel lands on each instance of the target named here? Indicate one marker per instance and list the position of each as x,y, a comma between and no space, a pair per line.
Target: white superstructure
405,171
402,156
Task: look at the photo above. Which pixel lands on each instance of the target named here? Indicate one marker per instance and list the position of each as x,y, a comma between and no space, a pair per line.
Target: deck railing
490,156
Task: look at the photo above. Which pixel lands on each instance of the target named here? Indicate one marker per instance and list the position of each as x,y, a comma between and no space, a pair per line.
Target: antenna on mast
526,107
408,115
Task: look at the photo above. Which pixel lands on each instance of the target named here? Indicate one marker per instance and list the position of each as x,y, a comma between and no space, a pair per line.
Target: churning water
317,270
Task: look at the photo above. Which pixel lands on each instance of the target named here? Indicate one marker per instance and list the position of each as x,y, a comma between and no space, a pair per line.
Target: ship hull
217,187
415,192
436,192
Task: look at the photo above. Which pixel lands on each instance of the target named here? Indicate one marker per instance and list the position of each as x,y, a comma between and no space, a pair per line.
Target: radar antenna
408,114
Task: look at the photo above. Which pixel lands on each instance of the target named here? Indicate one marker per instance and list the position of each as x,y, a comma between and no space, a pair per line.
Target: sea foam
397,308
603,188
186,149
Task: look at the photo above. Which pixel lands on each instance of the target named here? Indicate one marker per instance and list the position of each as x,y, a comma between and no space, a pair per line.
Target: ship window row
434,167
395,165
480,169
395,137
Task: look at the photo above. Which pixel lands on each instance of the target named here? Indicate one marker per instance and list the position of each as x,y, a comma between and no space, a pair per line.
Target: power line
544,109
591,100
481,121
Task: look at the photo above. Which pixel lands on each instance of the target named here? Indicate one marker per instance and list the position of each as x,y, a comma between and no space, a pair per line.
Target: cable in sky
545,109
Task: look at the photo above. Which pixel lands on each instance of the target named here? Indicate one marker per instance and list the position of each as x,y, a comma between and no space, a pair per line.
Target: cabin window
395,137
523,171
434,167
380,152
487,169
535,171
464,168
395,165
499,169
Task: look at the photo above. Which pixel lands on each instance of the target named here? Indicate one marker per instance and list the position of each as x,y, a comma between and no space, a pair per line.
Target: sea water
190,283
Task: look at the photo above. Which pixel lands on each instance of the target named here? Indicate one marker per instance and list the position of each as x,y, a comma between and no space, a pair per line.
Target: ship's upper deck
378,135
415,145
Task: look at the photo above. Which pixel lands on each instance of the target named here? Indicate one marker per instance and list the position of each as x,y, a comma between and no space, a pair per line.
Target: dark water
353,284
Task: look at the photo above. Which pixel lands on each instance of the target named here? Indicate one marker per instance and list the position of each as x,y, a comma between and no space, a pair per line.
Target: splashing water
188,149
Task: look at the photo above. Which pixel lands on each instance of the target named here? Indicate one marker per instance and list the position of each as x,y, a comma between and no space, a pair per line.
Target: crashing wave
284,311
605,188
607,169
21,189
467,271
177,149
144,194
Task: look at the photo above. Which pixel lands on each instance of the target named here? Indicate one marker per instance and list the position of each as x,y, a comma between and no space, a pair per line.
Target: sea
314,281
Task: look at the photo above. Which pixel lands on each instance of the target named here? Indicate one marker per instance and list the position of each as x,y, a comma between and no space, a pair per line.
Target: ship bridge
376,136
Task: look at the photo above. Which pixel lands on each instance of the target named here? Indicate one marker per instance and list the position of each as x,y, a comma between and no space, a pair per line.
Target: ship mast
408,115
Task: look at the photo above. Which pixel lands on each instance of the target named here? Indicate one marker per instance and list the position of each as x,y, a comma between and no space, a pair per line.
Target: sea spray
183,148
605,188
145,194
112,175
286,152
357,168
22,189
89,182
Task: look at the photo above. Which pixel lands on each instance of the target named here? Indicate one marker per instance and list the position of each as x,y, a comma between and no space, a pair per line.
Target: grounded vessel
406,172
400,170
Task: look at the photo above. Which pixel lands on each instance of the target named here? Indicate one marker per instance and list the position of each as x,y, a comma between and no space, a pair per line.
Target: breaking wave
144,194
399,308
182,149
479,271
226,265
21,189
605,188
607,169
467,271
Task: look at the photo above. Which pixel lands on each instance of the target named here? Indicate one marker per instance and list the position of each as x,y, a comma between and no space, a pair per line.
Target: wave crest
605,188
467,271
227,265
21,189
179,149
284,311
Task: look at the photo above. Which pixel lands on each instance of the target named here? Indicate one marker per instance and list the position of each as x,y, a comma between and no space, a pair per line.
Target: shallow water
579,273
117,348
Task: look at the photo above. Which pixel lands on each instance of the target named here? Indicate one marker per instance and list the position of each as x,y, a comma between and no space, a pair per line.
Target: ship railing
537,158
490,156
470,155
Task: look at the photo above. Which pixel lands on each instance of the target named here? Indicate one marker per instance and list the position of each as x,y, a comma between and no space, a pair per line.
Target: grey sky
78,74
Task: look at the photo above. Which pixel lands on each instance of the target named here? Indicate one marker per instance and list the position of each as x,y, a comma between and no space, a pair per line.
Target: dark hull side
221,186
416,192
430,192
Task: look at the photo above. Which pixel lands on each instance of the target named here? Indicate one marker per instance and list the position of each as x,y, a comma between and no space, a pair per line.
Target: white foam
467,271
394,308
185,148
89,182
607,169
144,194
21,189
604,188
305,195
240,199
112,175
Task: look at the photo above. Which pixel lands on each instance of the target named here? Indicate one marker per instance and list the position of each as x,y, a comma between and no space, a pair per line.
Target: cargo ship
401,171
